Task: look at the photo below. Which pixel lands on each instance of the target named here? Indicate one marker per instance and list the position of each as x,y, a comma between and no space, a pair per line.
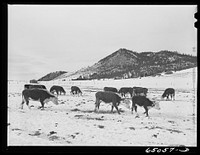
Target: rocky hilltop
125,63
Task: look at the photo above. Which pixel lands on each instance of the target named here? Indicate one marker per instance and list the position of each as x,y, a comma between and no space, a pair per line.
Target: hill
51,76
125,63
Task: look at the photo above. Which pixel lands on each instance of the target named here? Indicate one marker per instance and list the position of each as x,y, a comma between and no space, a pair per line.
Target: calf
125,90
112,89
140,91
107,97
30,86
57,89
75,90
35,94
145,102
169,92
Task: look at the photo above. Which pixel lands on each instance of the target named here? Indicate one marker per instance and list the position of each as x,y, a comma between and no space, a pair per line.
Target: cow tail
174,95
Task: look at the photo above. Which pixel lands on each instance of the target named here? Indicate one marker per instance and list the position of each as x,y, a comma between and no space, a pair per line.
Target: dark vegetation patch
101,126
36,133
51,133
75,109
157,127
78,116
90,118
132,128
16,129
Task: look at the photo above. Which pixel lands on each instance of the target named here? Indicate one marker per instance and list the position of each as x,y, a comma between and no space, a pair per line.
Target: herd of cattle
138,95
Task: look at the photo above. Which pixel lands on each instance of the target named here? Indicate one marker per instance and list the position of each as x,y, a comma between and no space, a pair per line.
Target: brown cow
36,94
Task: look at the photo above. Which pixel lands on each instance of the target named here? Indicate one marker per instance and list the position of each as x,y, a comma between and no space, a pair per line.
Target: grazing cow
107,97
33,81
140,91
112,89
169,92
30,86
125,90
36,94
145,102
57,89
75,90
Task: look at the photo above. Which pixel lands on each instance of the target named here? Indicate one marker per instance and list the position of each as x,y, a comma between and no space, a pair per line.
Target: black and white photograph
102,75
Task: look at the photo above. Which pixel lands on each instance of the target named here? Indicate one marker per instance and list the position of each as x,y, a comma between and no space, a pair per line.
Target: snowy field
74,122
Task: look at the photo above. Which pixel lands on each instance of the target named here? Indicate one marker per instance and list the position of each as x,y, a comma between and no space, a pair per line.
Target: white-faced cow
58,89
107,97
124,90
36,94
140,91
112,89
169,92
145,102
30,86
75,90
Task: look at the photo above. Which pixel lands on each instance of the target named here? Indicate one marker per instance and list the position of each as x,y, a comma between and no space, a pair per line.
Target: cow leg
171,96
42,103
112,109
115,105
133,106
168,97
22,103
137,115
27,102
146,111
97,103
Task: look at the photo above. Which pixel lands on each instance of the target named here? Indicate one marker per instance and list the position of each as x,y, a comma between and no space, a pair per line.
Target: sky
49,38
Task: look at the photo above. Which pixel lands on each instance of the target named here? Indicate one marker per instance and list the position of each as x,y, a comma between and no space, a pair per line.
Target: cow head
163,96
126,102
54,100
156,105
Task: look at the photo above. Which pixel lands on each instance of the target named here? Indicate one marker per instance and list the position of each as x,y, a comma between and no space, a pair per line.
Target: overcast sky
48,38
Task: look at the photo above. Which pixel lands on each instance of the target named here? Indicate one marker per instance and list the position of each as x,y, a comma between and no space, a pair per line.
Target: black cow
125,90
57,89
75,90
107,97
36,94
30,86
112,89
169,92
140,91
145,102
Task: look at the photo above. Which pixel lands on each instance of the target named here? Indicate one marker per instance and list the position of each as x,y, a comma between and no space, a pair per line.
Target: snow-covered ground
74,122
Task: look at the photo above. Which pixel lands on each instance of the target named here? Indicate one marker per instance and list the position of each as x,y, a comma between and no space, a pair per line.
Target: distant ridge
52,76
125,63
